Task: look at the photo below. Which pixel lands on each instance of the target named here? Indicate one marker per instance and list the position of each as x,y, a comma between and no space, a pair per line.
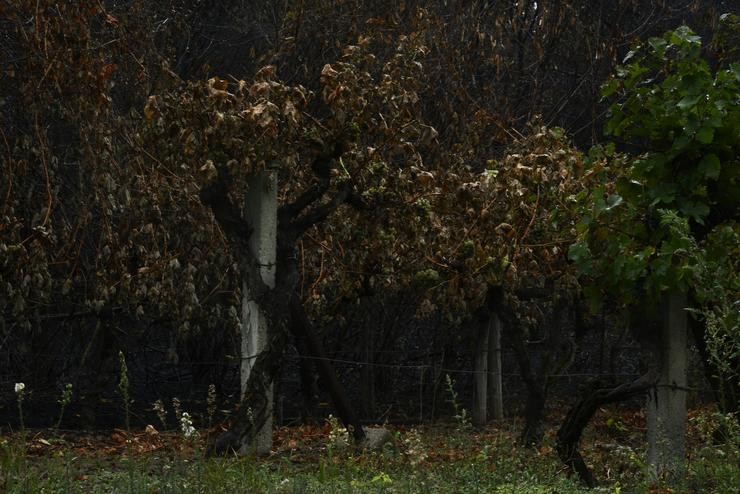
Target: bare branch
321,212
321,167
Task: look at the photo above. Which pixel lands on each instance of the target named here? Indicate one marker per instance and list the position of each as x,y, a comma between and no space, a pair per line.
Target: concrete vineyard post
261,210
666,407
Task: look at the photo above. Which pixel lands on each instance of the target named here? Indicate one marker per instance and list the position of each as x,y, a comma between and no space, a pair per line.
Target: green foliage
718,291
63,401
686,117
461,414
709,470
649,221
723,341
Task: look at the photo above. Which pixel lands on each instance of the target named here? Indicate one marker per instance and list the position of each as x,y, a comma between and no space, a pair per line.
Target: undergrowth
307,459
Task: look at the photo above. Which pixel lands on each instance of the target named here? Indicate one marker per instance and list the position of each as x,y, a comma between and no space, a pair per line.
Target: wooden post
495,388
261,210
480,378
666,407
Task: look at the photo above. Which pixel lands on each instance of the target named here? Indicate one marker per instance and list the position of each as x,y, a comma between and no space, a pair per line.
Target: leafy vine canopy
666,217
122,225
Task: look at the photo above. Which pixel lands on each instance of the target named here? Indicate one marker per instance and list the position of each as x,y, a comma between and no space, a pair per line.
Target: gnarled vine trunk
303,330
534,412
254,407
536,381
595,396
274,303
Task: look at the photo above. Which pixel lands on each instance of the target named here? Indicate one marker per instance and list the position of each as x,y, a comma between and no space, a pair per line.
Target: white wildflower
19,387
186,425
338,434
158,407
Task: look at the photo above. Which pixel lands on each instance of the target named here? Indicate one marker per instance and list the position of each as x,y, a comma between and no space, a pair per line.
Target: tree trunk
367,374
272,299
534,410
480,402
495,378
309,389
302,328
255,407
569,434
534,413
255,403
534,417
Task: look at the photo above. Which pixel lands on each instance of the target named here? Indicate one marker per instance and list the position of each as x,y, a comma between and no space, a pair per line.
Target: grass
310,459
